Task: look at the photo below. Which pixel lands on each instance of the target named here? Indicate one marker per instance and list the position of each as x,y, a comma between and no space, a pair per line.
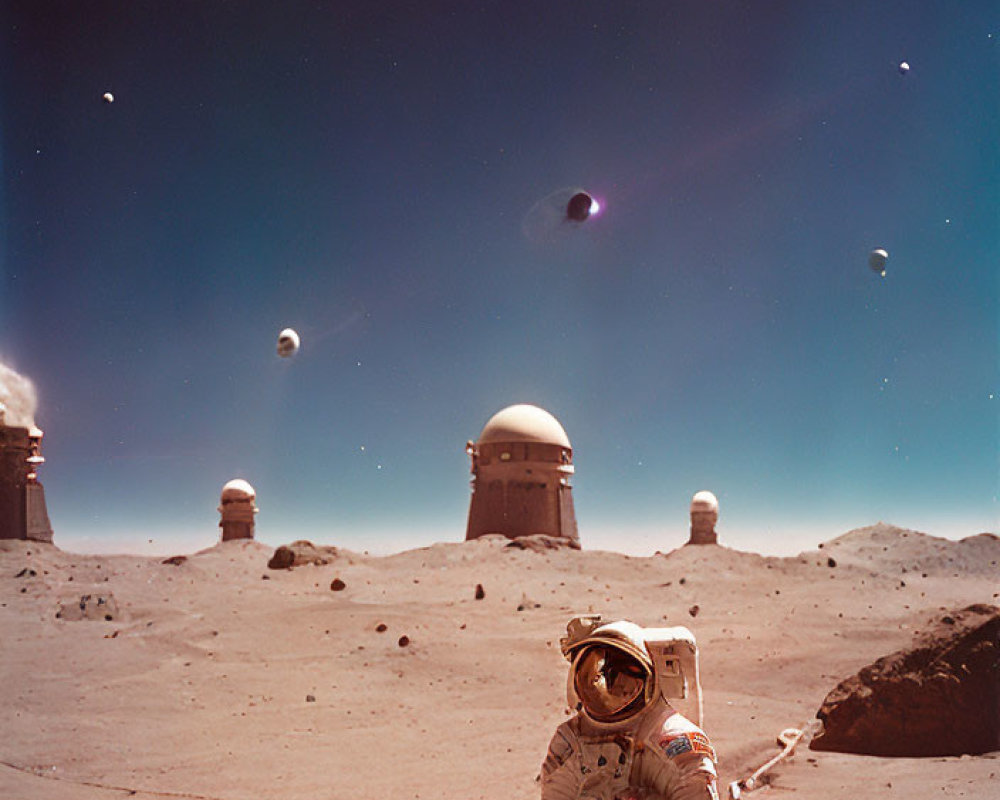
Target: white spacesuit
626,742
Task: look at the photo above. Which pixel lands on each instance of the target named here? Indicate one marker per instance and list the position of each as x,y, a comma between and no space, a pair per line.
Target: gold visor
608,681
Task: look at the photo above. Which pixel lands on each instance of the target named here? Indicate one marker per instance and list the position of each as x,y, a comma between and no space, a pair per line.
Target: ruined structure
704,515
237,509
23,514
521,469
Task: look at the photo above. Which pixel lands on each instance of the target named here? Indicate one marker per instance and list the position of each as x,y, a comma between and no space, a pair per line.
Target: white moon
108,97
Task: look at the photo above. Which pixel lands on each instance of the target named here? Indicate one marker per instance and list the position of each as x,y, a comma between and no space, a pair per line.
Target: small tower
704,515
237,509
521,469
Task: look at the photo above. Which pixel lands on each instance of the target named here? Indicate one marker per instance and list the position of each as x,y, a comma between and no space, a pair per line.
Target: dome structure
238,490
524,423
704,515
237,508
521,470
705,501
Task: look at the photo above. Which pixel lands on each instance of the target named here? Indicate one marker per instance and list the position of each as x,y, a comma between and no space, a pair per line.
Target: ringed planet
581,207
877,260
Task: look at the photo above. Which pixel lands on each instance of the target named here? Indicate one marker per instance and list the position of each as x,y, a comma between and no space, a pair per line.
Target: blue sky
368,178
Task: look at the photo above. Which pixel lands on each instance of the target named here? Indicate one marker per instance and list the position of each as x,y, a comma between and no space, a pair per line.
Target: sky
387,179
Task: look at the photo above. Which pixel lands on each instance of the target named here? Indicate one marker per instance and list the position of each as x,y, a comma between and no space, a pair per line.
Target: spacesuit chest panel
606,764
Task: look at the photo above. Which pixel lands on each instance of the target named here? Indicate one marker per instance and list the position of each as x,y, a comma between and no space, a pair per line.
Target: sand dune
217,677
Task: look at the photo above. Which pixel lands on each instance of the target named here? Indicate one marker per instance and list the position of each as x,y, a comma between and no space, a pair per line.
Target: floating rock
338,585
938,698
174,560
541,542
89,607
301,552
480,591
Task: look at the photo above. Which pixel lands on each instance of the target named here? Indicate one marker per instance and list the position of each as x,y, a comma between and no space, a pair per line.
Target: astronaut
626,742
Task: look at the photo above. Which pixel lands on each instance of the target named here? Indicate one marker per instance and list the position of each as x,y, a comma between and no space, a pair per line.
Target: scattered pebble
338,585
310,698
403,641
831,562
693,611
480,591
381,628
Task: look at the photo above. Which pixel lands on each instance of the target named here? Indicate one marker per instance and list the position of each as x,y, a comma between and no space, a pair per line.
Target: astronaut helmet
611,677
619,669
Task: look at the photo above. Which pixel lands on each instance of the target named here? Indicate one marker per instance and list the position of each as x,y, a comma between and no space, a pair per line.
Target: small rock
381,628
693,611
265,577
830,562
310,698
682,581
403,641
480,591
174,560
338,585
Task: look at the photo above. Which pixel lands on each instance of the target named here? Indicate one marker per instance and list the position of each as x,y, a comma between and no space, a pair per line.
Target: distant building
521,470
704,516
237,508
23,514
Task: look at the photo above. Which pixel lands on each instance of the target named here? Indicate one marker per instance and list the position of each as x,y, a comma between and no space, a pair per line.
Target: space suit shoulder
678,737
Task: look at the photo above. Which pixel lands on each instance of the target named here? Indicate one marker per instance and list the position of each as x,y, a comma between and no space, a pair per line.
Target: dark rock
338,585
301,552
381,628
480,591
174,560
283,558
693,611
310,698
526,603
938,698
540,542
831,562
89,607
403,641
27,572
265,577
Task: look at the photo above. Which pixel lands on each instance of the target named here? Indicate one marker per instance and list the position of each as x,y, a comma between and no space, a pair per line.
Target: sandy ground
198,687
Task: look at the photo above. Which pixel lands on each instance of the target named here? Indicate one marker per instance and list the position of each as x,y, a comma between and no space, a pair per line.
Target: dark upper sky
387,179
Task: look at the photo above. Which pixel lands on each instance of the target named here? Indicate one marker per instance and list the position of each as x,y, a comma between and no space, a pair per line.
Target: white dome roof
524,423
704,501
236,490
